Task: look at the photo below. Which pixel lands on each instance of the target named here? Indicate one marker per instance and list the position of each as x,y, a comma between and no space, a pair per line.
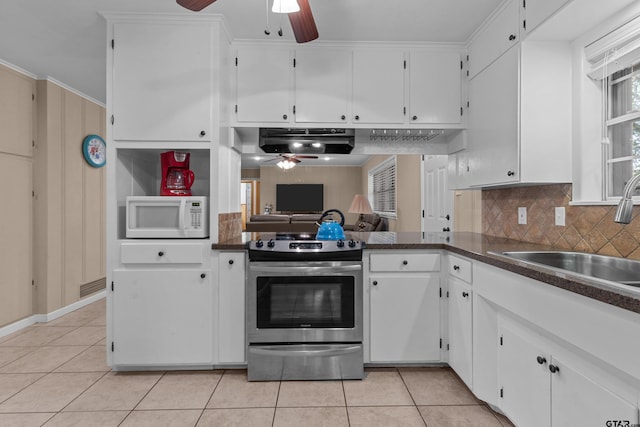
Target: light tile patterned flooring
55,374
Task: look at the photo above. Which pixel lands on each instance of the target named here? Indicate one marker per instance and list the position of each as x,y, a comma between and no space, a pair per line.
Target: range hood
307,141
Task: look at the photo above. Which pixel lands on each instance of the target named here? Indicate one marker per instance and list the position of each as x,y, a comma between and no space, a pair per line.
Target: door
437,198
162,82
162,317
460,351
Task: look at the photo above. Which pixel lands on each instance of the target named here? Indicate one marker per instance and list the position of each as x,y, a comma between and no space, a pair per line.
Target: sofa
283,223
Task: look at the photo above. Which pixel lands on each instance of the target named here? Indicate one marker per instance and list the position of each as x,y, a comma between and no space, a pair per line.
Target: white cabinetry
162,81
264,85
373,101
404,306
460,318
535,12
435,82
500,34
520,117
231,308
161,317
322,85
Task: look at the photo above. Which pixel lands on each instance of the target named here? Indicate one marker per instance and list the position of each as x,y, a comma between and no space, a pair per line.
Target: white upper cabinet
264,85
498,36
162,81
373,101
322,85
435,87
535,12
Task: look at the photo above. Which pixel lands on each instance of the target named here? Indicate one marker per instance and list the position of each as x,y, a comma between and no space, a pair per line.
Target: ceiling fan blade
303,24
195,5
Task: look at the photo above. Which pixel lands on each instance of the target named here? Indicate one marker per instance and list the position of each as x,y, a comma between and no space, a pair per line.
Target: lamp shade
360,205
285,6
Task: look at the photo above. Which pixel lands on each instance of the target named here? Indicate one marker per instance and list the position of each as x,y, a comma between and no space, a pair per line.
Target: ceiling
65,39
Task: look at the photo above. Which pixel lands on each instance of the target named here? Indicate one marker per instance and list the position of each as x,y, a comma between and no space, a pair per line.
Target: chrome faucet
625,206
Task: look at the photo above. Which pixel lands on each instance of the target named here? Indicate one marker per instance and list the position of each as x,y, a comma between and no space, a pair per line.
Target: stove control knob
259,243
352,243
340,243
271,243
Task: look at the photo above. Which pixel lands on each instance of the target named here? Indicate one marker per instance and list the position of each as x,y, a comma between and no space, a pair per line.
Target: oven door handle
306,269
304,350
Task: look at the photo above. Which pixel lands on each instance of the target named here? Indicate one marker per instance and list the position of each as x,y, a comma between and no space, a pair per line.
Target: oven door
294,302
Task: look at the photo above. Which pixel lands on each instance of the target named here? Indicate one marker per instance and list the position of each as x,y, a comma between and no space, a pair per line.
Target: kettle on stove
329,229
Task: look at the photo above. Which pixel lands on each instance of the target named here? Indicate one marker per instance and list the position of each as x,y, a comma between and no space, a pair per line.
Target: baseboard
44,318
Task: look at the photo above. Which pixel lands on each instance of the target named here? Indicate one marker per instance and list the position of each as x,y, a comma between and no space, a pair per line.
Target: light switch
560,216
522,215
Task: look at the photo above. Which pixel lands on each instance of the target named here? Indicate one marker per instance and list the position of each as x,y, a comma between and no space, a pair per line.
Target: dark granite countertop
479,247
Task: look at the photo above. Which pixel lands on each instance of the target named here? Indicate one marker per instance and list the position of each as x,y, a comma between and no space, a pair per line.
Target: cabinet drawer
404,262
161,253
460,268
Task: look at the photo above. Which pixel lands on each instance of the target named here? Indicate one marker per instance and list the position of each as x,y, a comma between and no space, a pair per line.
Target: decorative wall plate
95,150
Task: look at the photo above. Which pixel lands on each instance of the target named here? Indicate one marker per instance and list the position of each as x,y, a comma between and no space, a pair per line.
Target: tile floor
55,374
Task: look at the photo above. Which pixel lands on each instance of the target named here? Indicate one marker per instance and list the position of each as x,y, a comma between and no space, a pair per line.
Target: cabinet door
322,83
405,318
495,39
536,11
162,317
460,351
231,333
579,401
264,85
435,88
524,382
493,122
162,81
374,102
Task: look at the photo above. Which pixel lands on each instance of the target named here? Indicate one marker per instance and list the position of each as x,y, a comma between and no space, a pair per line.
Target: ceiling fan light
285,6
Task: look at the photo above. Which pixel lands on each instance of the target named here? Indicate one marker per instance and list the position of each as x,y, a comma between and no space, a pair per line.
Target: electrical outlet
522,215
560,216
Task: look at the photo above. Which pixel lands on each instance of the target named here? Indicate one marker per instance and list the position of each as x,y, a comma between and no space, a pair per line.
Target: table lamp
360,205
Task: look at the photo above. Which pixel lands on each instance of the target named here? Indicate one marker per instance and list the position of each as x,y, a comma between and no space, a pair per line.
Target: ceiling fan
287,161
302,22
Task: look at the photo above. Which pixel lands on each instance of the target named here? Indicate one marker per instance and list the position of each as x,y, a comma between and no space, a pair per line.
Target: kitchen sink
614,269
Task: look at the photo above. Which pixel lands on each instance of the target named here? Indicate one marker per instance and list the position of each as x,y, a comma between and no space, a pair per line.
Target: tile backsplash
587,228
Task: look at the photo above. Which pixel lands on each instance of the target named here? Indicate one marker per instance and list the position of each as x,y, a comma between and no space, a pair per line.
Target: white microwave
167,217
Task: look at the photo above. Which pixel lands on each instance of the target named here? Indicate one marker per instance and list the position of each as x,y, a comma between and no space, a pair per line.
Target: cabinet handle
405,262
375,283
414,118
230,262
342,117
202,276
284,116
446,229
554,369
465,294
357,117
510,173
202,133
512,37
541,360
160,253
456,267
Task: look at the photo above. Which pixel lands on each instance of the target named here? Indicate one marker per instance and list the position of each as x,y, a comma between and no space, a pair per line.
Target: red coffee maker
177,179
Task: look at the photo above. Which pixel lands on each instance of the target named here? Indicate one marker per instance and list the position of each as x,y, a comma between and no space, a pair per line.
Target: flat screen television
299,197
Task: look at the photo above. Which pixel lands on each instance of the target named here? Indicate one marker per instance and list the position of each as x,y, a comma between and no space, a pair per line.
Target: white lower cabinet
460,337
162,317
538,389
231,308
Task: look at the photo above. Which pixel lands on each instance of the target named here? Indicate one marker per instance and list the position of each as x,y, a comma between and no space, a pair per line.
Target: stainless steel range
304,309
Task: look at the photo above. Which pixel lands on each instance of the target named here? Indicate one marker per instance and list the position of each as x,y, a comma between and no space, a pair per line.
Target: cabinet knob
456,267
554,369
342,117
284,116
512,37
414,118
357,117
230,262
541,360
202,133
465,294
510,173
202,276
160,253
447,229
375,283
405,262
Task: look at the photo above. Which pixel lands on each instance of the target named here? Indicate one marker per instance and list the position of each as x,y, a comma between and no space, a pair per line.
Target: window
382,188
623,128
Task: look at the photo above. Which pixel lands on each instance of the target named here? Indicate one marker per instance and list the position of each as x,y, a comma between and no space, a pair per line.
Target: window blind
383,187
